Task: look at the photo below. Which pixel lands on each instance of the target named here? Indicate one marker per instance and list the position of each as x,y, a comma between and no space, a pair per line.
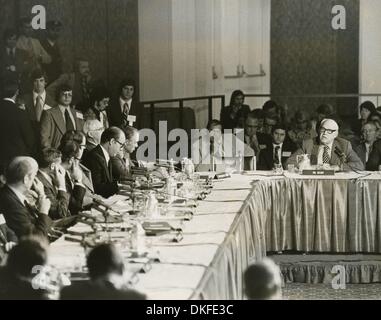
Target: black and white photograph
190,150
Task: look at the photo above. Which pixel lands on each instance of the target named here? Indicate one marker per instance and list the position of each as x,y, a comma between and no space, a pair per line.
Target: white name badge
286,154
262,146
79,115
131,120
2,219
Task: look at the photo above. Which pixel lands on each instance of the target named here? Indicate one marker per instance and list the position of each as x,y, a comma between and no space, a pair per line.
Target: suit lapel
58,119
88,180
32,211
46,182
29,106
334,158
314,153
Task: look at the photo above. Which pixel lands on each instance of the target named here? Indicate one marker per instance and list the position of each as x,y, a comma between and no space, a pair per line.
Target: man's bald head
263,280
19,169
329,130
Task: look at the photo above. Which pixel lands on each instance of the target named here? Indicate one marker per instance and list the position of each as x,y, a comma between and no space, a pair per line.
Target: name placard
318,172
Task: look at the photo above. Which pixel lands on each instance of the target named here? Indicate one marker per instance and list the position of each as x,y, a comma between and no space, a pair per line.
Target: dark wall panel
7,15
309,57
90,37
123,40
104,31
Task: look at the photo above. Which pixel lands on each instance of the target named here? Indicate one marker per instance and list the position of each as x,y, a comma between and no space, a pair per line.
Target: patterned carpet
301,291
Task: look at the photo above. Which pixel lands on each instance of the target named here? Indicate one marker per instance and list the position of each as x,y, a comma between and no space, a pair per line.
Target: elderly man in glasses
328,149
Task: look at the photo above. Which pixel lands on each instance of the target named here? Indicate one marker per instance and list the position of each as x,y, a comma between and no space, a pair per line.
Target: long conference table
248,215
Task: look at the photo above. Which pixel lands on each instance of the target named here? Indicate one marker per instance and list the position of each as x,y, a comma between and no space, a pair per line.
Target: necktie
109,168
276,155
39,107
69,122
85,90
126,111
326,157
32,209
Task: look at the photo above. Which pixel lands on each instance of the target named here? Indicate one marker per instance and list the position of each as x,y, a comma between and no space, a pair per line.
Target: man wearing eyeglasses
98,161
328,149
56,121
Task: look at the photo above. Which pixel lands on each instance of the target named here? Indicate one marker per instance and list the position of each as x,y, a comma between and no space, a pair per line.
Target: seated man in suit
122,162
253,137
278,151
328,149
263,281
56,121
22,217
98,161
125,105
374,160
369,136
107,280
52,175
93,130
17,276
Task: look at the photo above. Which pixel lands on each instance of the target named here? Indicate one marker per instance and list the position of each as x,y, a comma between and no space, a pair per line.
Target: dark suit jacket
23,220
53,126
311,147
59,199
98,290
54,69
115,113
14,288
20,61
120,170
77,193
361,152
375,157
266,156
30,105
238,121
16,133
6,235
102,177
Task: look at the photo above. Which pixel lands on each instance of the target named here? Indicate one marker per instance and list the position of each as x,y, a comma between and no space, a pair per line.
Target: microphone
339,153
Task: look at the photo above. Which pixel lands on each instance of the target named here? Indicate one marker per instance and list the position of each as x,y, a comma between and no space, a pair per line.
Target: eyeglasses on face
324,130
121,144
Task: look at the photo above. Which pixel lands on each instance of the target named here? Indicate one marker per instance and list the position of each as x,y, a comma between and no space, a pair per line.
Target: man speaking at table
329,149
